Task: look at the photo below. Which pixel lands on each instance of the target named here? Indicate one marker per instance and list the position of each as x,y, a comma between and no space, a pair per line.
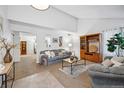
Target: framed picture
60,41
55,40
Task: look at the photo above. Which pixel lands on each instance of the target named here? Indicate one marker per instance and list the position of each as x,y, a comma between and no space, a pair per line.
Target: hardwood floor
43,79
28,67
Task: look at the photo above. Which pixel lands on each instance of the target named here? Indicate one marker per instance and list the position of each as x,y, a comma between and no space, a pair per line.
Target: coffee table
71,62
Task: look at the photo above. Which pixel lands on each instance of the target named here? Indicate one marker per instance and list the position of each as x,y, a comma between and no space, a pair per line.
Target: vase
71,58
7,57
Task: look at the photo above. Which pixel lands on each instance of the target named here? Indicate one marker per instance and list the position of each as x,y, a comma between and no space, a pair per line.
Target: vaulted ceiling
93,11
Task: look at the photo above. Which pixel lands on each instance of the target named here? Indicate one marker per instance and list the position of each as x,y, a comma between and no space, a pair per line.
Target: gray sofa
106,77
60,54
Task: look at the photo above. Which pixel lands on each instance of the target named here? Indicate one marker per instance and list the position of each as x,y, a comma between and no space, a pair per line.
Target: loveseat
53,56
106,77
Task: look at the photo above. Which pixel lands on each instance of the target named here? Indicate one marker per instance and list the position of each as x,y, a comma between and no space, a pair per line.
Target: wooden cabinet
82,54
90,47
82,47
94,57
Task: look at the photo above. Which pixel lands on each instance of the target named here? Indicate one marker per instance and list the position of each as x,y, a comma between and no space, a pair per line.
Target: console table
5,73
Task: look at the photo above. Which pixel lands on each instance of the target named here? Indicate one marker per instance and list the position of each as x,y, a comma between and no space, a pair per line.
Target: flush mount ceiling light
41,7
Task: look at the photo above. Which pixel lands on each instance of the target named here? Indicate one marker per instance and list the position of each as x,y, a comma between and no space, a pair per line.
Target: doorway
23,47
27,47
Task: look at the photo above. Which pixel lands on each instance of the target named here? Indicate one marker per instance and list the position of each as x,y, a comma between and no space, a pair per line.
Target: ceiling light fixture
41,7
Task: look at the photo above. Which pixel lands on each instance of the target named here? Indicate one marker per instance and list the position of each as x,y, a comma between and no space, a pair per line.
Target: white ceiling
93,11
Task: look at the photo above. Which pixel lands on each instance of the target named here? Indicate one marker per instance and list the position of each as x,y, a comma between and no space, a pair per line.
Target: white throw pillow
116,63
118,59
48,53
52,54
107,63
63,51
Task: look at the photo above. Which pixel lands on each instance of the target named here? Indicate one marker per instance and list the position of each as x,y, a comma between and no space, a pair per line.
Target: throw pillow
116,63
52,54
48,53
63,51
107,63
118,59
60,53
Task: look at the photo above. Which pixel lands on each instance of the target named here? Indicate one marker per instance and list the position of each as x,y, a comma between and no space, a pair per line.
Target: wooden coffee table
71,62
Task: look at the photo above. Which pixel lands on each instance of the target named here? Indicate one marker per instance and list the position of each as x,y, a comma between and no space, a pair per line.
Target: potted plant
116,44
7,46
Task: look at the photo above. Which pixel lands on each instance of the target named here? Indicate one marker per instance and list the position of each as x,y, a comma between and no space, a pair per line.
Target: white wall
51,18
16,50
3,14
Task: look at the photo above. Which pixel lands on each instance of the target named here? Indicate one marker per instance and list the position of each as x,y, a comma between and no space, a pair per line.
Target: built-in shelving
90,47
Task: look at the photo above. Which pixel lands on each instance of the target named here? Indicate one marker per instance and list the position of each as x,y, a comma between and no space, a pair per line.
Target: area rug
76,70
40,80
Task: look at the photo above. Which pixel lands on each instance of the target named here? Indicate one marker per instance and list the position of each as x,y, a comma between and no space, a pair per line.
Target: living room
60,29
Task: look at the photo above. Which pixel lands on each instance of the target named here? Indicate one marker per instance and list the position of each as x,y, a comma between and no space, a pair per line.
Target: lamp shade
70,44
41,7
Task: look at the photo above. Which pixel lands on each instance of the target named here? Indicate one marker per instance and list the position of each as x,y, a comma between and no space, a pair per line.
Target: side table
6,71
